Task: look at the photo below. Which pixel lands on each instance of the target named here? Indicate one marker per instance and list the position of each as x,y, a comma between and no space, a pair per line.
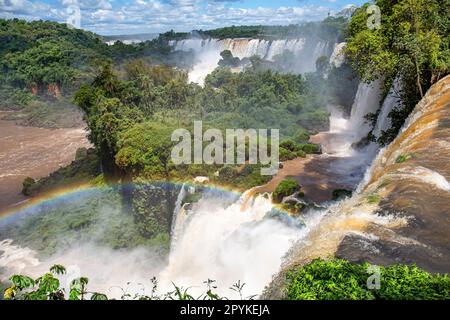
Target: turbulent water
207,52
229,242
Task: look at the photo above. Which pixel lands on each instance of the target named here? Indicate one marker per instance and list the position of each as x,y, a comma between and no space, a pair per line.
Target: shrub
285,188
340,279
310,148
26,185
287,154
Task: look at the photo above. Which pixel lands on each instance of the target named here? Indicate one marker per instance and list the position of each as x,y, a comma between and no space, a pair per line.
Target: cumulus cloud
134,16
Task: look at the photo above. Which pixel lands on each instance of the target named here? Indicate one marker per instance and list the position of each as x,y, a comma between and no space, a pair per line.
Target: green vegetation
341,280
82,170
48,287
134,96
290,149
92,216
411,45
319,280
285,188
131,120
373,198
403,157
330,29
43,63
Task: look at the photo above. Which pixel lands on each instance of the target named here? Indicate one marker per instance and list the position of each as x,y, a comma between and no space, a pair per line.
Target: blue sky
141,16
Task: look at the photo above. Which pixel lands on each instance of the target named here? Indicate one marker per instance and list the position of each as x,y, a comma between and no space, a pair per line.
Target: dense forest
330,29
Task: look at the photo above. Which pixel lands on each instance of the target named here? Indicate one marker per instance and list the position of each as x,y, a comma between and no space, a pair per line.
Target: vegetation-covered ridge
330,29
43,63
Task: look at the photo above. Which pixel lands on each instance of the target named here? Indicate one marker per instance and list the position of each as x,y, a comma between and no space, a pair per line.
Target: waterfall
207,52
390,102
228,242
367,100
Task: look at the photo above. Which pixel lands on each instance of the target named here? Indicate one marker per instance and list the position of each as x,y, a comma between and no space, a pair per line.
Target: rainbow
83,191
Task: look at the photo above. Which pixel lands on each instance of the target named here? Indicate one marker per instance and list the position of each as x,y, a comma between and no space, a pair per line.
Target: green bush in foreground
341,280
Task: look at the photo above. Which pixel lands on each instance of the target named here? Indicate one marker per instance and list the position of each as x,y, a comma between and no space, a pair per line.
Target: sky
112,17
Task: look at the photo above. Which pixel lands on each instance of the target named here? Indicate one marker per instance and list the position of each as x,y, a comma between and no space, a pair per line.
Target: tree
411,45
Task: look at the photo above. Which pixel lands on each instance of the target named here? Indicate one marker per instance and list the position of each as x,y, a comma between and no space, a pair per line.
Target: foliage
82,170
285,188
97,217
228,60
342,280
410,45
48,287
330,29
403,157
39,53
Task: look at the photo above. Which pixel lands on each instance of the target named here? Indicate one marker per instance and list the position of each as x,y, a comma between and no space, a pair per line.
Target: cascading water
224,242
397,214
207,52
390,102
344,144
179,216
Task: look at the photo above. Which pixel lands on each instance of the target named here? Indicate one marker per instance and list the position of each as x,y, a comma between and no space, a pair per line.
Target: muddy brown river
32,152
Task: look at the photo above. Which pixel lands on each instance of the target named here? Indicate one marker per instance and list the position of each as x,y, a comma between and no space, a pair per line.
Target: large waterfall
222,236
226,241
207,52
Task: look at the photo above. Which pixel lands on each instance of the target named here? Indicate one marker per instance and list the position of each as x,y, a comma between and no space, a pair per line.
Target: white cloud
108,17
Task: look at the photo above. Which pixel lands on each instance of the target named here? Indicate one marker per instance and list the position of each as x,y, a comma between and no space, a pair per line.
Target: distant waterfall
367,100
207,52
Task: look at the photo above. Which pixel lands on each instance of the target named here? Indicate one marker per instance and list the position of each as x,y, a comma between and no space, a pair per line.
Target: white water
177,219
390,102
207,52
229,243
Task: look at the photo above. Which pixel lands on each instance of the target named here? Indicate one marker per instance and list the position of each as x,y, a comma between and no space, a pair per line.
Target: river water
33,152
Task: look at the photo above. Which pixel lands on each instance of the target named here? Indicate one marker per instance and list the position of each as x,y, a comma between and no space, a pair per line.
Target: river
32,152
